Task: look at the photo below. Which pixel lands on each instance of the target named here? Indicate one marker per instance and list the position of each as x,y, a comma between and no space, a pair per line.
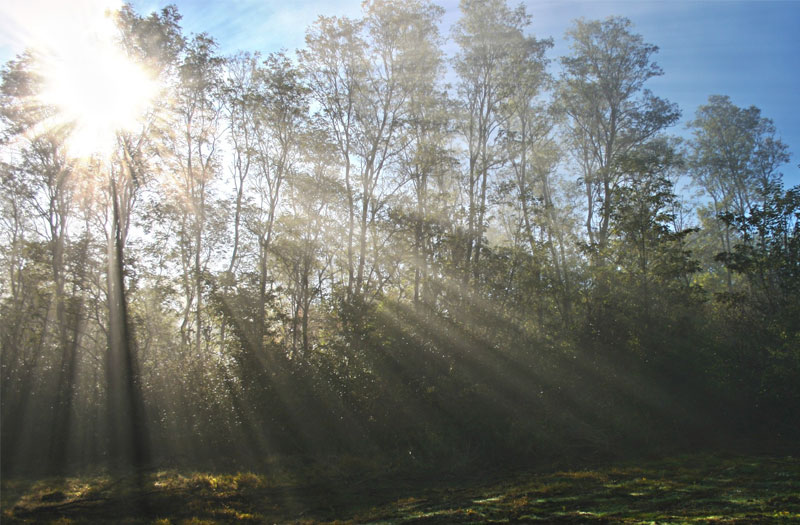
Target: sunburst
94,86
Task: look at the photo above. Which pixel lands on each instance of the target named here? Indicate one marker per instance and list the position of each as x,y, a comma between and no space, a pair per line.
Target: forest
383,251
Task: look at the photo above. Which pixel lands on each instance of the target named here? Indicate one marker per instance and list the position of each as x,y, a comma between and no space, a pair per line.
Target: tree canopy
339,253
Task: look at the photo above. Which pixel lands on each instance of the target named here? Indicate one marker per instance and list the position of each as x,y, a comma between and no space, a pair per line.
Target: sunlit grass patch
493,499
698,489
248,481
230,514
592,475
57,491
209,482
551,489
408,504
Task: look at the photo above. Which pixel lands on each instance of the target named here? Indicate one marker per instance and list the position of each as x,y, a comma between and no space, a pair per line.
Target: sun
100,93
94,86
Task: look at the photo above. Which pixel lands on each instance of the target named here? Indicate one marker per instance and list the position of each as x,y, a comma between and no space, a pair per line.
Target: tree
735,157
760,327
243,100
533,155
334,63
305,231
194,145
769,252
361,73
490,39
642,309
153,42
39,190
425,159
609,112
281,121
647,246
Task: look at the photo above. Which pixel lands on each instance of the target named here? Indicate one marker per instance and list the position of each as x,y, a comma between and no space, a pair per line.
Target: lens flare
101,92
94,86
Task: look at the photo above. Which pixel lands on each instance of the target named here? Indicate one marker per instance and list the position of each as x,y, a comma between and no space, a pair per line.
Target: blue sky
747,50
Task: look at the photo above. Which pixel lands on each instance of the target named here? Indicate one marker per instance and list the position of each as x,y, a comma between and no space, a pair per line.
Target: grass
689,489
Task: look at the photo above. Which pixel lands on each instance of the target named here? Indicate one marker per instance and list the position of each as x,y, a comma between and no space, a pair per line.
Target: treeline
339,254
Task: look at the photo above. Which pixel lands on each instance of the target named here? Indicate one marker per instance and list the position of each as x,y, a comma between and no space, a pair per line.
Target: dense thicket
342,255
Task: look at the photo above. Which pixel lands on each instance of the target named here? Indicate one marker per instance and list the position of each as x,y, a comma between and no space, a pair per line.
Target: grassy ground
691,489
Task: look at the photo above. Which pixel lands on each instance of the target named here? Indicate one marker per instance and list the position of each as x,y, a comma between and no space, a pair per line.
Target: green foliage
764,316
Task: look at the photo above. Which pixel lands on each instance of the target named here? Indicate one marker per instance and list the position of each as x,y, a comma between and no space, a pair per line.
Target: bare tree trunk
68,372
125,406
362,243
351,220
